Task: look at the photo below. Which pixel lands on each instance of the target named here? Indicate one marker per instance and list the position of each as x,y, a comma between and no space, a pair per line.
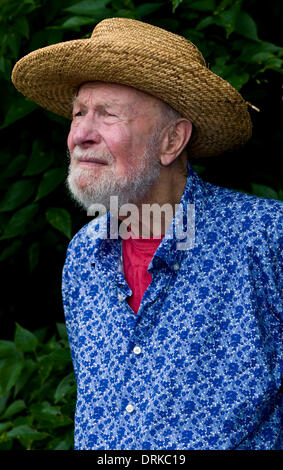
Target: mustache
90,155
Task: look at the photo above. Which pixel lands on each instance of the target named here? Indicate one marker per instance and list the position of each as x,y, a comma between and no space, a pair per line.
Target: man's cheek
118,152
70,142
119,140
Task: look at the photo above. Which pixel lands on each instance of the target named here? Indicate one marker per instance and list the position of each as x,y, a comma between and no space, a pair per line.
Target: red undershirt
137,254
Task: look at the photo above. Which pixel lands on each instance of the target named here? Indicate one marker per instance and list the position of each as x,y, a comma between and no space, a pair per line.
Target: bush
37,389
37,217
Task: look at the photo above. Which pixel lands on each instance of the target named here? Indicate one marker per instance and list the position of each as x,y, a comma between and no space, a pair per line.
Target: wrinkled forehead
117,94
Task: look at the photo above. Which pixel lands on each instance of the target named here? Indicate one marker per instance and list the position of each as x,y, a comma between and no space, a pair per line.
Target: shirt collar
180,236
178,239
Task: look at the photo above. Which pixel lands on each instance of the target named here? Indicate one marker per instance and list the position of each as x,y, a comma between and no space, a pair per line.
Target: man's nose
85,133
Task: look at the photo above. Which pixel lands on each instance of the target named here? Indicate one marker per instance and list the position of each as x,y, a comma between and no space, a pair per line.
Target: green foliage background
240,42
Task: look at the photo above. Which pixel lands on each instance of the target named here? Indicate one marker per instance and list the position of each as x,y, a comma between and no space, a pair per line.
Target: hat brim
50,77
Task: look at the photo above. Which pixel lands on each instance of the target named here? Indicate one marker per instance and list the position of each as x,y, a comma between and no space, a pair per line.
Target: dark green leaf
17,194
61,328
261,57
49,416
3,402
274,63
262,190
38,161
44,370
27,371
237,80
249,50
25,431
125,13
59,358
14,167
175,4
77,21
50,180
203,5
11,249
147,8
228,18
219,68
6,74
20,8
4,426
7,349
25,341
21,26
38,40
44,411
207,21
269,46
223,5
15,408
10,370
66,386
246,26
199,169
20,420
64,444
17,225
18,109
14,44
87,7
60,219
41,333
53,37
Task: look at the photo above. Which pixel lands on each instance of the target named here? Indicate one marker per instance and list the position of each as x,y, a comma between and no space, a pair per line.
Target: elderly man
176,344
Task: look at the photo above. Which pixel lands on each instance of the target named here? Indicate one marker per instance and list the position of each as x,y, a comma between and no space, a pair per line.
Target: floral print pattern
200,365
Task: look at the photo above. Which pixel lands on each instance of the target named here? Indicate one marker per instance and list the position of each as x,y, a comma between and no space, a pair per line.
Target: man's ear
176,137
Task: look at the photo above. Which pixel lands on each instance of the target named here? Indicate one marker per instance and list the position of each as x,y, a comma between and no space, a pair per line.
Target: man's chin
83,178
86,194
90,187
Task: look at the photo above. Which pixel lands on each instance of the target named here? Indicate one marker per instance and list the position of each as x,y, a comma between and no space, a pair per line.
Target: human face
113,143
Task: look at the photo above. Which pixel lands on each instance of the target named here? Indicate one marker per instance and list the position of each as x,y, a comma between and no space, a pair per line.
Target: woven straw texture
150,59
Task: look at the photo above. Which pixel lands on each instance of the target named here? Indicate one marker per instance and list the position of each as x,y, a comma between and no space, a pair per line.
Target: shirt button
137,350
130,408
176,267
120,297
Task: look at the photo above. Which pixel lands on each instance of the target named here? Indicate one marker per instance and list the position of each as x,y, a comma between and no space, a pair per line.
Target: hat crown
133,31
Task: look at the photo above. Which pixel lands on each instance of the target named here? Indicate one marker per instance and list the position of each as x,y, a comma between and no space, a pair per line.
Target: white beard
130,188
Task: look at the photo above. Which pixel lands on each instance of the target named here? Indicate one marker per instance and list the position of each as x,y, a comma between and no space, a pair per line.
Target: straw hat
148,58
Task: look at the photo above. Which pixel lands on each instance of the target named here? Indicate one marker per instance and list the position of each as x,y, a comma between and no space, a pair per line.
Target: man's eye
105,113
108,114
78,113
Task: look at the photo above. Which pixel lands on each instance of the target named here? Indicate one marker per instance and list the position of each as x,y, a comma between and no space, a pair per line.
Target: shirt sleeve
272,290
276,265
263,244
70,295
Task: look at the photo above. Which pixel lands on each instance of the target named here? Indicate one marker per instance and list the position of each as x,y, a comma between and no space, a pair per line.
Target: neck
156,210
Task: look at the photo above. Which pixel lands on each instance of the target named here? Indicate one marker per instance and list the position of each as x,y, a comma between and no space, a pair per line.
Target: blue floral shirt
200,365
